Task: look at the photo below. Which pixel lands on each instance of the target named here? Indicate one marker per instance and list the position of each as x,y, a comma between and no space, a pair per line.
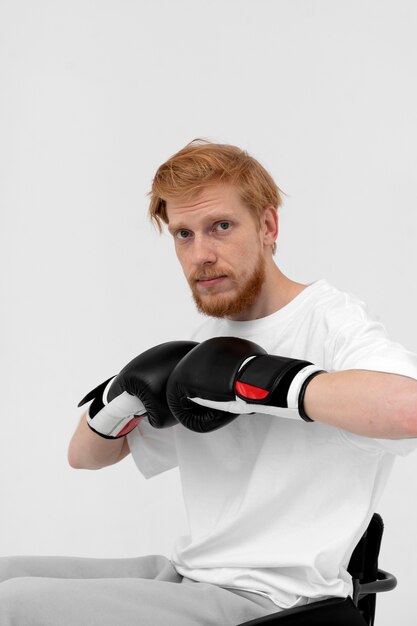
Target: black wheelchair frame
358,610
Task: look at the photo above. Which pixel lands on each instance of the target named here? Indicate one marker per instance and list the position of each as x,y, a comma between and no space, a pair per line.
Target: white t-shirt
276,506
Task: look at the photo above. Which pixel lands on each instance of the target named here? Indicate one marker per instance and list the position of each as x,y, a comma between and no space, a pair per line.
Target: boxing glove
119,403
226,376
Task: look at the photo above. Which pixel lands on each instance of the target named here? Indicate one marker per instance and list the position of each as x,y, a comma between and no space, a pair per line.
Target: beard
246,292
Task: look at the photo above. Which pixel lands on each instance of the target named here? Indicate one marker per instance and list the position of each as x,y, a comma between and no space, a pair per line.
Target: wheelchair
358,610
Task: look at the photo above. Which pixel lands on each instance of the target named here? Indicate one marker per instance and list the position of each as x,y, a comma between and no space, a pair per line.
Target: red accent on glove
250,391
130,426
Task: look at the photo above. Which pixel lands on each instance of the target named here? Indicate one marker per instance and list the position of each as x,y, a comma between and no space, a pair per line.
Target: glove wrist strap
301,395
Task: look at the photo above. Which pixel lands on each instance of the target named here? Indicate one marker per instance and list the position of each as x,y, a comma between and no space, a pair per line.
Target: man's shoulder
322,290
328,300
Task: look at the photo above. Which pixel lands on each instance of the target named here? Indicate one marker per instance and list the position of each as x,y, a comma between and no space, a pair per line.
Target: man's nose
204,250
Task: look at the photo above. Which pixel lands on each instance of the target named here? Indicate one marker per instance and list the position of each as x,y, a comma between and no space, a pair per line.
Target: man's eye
222,226
182,234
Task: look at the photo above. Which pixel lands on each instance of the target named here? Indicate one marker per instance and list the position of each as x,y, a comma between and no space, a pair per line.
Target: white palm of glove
117,417
240,407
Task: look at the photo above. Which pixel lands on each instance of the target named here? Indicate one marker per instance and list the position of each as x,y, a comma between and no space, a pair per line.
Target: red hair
202,163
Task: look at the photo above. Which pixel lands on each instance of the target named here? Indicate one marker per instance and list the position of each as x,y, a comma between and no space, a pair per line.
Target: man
275,503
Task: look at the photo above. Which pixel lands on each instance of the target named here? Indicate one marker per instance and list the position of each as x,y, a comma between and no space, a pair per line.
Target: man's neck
277,291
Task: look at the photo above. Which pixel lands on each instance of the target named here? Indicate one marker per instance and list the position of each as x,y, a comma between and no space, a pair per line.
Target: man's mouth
207,281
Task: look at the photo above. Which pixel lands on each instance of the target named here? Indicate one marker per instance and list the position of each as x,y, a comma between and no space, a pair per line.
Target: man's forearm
87,450
368,403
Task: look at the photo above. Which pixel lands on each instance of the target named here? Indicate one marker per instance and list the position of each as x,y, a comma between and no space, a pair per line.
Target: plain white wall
94,96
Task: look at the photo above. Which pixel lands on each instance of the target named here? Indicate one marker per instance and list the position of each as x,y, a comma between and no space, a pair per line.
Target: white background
95,95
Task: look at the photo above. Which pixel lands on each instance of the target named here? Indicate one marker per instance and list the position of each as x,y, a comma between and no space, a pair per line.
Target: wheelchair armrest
384,582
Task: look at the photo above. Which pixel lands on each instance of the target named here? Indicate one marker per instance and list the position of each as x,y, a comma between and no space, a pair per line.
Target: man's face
220,248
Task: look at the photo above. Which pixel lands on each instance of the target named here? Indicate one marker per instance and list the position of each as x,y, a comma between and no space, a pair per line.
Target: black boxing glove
226,376
120,402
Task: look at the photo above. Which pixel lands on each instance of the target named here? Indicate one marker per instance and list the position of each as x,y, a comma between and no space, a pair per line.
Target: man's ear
269,225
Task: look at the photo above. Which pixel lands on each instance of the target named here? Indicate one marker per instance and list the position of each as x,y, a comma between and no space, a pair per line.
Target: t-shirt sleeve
153,449
361,342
